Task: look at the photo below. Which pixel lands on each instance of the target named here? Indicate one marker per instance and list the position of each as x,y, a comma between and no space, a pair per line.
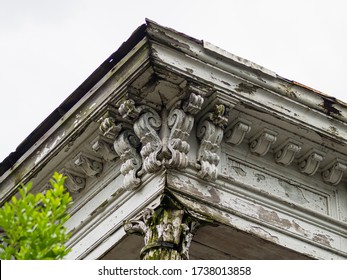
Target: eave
276,139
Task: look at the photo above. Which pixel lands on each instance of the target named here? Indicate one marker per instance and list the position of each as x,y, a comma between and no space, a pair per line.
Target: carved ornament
333,172
104,147
210,133
91,166
75,181
261,142
167,232
286,152
237,131
109,128
181,121
309,163
125,145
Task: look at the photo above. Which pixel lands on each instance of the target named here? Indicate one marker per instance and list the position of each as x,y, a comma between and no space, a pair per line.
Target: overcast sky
48,48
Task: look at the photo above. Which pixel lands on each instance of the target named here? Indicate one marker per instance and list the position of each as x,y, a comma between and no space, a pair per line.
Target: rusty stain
247,88
272,217
323,239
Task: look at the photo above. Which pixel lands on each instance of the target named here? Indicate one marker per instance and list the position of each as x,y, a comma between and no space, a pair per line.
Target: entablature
174,106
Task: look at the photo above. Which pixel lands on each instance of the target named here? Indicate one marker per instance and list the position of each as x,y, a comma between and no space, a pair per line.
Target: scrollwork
238,130
210,136
89,165
145,127
309,163
104,147
125,145
261,142
181,125
286,152
334,171
109,128
75,182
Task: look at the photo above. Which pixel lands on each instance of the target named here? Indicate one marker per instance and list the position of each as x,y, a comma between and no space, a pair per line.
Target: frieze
284,188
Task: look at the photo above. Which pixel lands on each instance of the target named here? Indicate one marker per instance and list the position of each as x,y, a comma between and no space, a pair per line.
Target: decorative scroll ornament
181,122
74,182
286,152
309,163
91,166
334,171
104,147
210,133
146,127
127,109
193,104
239,128
167,233
125,145
108,127
261,142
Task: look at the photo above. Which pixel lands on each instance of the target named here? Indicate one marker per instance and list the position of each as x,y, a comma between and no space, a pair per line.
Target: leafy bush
33,225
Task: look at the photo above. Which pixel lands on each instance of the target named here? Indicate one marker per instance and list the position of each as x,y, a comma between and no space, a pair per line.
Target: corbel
75,181
146,124
261,142
285,153
236,131
193,103
125,145
210,133
104,146
181,121
333,172
90,165
309,163
108,126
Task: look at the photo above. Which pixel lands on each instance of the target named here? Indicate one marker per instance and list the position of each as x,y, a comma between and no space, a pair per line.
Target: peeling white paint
48,148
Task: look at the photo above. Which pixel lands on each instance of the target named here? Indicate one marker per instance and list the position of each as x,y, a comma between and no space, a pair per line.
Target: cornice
248,71
169,106
251,84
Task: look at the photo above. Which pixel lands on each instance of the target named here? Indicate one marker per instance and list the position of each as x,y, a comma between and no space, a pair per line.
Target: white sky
48,48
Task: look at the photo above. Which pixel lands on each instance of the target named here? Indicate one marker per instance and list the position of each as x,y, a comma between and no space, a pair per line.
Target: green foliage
34,224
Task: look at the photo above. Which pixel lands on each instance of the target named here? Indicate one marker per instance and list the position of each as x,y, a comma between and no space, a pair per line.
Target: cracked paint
48,148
